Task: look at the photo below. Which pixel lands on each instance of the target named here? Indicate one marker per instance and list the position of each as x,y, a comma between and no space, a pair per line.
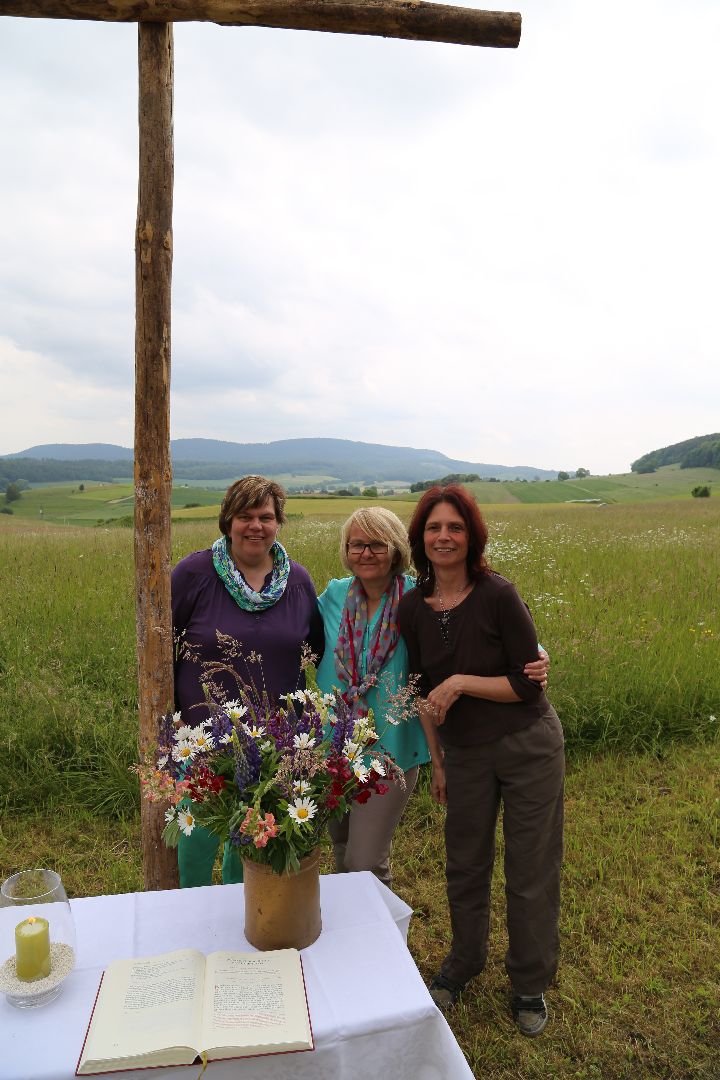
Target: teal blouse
405,741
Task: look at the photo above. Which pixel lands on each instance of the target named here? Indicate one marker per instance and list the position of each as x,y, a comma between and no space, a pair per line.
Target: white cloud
507,256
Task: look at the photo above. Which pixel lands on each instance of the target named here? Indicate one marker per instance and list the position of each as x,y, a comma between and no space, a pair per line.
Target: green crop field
103,503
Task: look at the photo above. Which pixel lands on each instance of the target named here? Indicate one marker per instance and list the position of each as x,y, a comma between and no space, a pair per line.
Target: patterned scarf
237,586
353,627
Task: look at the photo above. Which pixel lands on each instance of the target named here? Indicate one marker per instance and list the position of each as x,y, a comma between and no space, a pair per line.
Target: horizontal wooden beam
385,18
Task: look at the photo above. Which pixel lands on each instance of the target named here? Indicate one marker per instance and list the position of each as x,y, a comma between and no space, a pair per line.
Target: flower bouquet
266,776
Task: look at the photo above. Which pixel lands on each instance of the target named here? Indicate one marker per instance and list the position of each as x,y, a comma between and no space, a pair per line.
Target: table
370,1010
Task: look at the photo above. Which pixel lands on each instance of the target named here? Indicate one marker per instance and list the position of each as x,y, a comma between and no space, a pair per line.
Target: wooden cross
153,273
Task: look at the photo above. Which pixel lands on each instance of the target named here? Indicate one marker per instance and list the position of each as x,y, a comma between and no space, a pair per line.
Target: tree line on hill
701,452
48,471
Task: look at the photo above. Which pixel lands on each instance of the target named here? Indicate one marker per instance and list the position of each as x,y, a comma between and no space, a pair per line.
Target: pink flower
261,829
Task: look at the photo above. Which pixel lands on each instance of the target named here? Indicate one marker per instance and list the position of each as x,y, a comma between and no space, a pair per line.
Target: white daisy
328,699
162,761
301,787
254,730
351,749
177,717
186,821
303,742
302,810
361,772
203,741
266,746
184,751
225,739
184,734
170,814
235,710
378,766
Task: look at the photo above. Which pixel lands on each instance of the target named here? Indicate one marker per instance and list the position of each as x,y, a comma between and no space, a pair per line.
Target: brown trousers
526,772
362,840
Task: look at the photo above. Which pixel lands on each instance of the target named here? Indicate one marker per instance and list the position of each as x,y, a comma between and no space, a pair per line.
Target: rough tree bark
153,472
411,19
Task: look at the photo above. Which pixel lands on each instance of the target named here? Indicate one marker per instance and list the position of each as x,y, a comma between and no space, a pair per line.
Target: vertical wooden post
153,471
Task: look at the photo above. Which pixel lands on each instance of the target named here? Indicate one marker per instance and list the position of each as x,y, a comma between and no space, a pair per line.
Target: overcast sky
510,256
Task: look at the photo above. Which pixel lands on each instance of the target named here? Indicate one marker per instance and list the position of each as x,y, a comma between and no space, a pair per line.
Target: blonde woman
366,659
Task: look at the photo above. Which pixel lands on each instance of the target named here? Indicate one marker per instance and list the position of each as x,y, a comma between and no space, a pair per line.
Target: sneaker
530,1014
445,992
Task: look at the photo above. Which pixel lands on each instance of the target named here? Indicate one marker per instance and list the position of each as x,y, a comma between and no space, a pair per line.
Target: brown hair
247,494
468,509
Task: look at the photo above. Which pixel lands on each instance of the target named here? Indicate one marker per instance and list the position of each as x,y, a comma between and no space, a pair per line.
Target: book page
145,1006
254,1003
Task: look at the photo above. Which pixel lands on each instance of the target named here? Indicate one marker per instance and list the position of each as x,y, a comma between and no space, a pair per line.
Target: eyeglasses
376,547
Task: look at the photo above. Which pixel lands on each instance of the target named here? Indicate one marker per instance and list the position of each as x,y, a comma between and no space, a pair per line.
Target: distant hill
340,460
701,452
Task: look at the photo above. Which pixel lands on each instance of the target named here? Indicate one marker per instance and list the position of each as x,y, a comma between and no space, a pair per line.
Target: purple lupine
309,723
166,732
280,730
344,723
220,726
239,839
247,762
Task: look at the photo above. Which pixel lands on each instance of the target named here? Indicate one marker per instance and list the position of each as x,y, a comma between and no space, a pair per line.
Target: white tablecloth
371,1013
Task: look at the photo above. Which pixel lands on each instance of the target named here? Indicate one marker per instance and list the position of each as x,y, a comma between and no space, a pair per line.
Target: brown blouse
490,633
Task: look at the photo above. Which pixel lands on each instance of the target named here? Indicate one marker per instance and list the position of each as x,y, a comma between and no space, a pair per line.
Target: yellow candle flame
31,919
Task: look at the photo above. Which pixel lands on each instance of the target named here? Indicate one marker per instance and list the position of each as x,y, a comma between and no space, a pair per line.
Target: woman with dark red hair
493,737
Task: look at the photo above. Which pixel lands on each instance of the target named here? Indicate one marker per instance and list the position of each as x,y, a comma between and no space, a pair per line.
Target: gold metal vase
282,911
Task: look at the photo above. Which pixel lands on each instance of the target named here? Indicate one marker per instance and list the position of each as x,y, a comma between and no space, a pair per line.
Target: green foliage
563,476
12,493
703,450
47,471
450,478
700,491
705,455
6,510
370,493
580,473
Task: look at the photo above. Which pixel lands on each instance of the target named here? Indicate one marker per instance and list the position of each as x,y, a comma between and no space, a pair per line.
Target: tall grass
625,600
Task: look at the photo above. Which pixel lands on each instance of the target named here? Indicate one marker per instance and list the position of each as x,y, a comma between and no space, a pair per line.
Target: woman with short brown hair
246,588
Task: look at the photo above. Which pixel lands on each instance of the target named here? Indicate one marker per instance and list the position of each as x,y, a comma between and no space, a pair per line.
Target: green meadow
625,597
108,503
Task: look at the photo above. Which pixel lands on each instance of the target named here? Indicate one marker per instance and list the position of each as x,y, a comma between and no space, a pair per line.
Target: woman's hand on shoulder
537,670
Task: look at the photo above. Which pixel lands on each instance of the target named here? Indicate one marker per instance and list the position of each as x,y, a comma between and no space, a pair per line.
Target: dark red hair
468,509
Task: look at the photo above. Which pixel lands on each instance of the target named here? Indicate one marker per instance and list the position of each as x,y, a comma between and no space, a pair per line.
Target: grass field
626,600
105,503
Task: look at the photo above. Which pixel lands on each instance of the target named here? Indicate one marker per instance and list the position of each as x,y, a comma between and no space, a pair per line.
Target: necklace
444,614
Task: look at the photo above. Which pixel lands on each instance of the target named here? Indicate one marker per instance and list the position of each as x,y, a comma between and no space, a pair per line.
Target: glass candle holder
37,938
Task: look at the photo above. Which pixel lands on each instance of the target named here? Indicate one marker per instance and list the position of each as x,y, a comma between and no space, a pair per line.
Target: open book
175,1008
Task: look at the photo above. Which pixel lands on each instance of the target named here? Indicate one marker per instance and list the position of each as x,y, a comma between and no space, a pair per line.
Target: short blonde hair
382,525
247,494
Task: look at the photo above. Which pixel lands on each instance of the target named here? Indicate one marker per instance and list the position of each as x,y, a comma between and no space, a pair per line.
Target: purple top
201,605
